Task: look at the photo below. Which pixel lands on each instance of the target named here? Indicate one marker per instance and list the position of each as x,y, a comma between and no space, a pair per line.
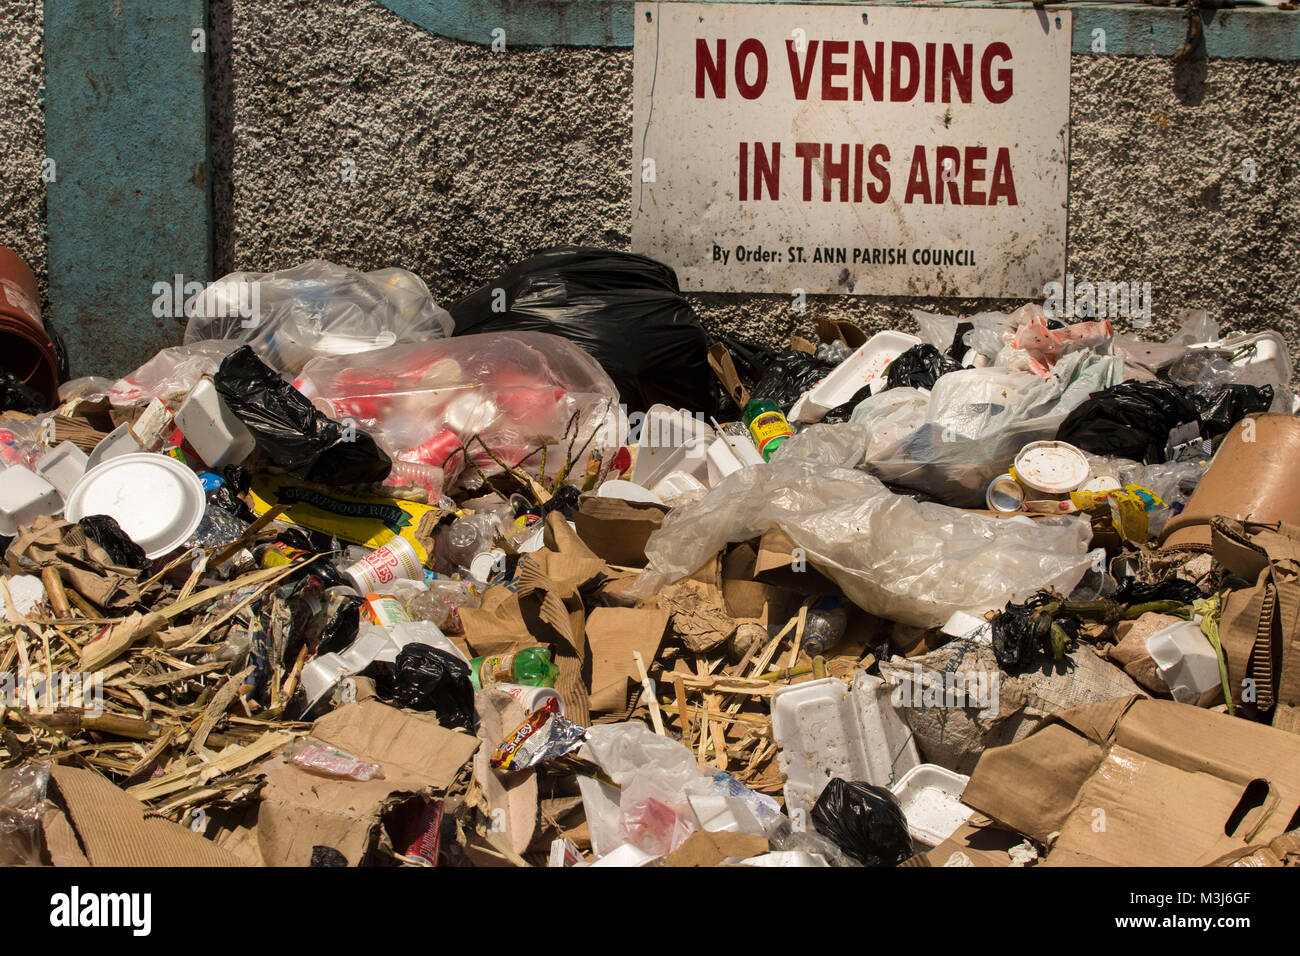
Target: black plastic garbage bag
1130,420
296,436
919,367
1133,591
1018,635
864,821
108,534
1220,407
17,396
625,310
429,679
788,375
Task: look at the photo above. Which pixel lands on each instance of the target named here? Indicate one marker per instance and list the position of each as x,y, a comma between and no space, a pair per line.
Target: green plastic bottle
769,427
530,666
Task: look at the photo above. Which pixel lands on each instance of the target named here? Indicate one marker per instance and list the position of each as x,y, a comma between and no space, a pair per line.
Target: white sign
879,150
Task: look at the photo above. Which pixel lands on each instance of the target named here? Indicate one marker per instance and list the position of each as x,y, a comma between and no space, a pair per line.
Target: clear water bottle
825,625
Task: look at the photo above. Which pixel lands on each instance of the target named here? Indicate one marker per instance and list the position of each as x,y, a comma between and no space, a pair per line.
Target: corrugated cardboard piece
112,829
1139,782
1260,626
305,819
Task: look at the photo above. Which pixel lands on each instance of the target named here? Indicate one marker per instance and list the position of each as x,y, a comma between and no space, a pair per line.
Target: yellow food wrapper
366,520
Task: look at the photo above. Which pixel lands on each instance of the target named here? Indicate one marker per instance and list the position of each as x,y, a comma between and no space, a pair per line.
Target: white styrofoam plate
155,499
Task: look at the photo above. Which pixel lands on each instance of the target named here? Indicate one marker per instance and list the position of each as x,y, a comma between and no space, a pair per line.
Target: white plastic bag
652,809
897,558
951,443
314,309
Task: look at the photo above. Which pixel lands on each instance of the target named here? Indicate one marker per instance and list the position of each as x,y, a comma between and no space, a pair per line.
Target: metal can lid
1004,495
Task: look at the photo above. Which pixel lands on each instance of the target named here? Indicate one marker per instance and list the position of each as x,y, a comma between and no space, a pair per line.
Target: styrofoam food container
1264,354
1052,467
864,367
63,467
1187,662
930,796
116,443
826,730
690,457
212,429
678,483
663,431
730,453
319,676
628,491
24,496
155,499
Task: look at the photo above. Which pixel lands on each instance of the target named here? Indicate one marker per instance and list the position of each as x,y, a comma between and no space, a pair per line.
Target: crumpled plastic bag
919,367
1130,420
22,802
292,432
893,556
170,373
623,309
652,809
516,391
864,821
316,308
951,443
1007,708
426,678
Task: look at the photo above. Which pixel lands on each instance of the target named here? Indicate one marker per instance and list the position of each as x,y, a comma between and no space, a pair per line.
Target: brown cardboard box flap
704,848
615,633
512,797
308,820
411,747
977,842
617,530
113,829
1167,785
775,565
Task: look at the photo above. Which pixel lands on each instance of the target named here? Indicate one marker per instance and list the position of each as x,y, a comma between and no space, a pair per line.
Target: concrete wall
466,160
22,135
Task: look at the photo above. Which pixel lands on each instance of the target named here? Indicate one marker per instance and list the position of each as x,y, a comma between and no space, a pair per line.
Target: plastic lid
157,501
1053,467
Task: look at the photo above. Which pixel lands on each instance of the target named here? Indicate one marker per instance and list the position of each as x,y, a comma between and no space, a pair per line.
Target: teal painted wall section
126,126
1130,29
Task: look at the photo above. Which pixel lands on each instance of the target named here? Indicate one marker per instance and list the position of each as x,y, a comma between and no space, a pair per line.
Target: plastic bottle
825,625
768,426
530,666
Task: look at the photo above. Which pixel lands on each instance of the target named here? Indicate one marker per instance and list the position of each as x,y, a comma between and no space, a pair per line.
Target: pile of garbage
555,578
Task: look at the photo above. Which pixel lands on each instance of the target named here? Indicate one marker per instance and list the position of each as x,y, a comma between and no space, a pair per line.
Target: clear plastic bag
951,443
652,809
22,801
316,309
171,374
515,391
897,558
320,758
